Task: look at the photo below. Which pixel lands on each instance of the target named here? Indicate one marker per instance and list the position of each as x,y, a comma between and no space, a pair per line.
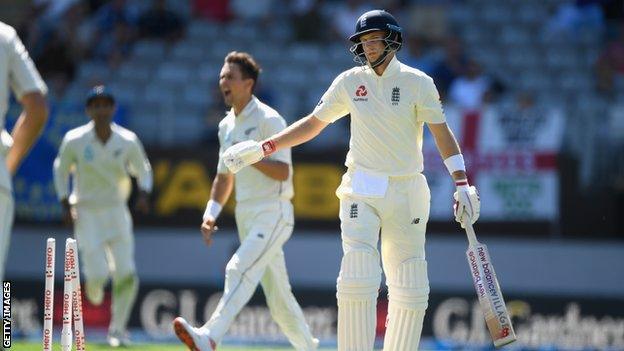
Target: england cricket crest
396,96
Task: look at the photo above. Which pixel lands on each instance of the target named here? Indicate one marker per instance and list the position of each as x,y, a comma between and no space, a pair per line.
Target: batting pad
357,320
408,284
357,289
360,275
403,329
408,294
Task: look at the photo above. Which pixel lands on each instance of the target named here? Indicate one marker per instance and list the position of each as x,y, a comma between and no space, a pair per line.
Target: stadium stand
562,52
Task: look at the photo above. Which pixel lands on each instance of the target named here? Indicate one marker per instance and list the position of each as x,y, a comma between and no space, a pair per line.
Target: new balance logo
415,220
354,211
396,96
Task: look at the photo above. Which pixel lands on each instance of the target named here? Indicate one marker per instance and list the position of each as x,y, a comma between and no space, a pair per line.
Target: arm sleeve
23,77
62,168
333,104
272,126
139,166
428,105
221,167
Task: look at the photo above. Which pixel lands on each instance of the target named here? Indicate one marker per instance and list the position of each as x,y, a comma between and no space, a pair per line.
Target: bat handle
472,237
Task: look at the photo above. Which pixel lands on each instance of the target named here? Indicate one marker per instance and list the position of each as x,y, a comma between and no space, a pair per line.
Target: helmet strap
381,59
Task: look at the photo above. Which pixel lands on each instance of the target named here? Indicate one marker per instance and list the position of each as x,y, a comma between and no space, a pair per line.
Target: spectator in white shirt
468,90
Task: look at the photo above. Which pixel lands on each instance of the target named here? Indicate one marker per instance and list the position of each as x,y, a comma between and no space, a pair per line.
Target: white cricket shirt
100,171
257,121
18,73
387,116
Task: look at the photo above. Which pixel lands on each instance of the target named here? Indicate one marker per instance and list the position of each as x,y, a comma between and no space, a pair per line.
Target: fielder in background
383,188
101,156
17,73
264,216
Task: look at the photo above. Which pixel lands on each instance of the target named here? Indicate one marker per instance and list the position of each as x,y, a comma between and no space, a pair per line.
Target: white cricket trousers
105,241
106,244
400,218
263,228
6,222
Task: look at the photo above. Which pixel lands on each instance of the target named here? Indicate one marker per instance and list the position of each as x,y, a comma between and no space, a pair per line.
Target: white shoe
196,339
118,339
316,343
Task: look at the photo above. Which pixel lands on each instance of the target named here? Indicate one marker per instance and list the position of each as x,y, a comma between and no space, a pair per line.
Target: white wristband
455,163
213,209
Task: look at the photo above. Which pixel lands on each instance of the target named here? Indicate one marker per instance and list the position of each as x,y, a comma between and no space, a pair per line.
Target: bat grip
470,233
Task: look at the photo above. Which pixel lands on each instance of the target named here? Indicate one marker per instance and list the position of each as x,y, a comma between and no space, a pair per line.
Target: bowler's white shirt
257,121
18,73
100,171
387,116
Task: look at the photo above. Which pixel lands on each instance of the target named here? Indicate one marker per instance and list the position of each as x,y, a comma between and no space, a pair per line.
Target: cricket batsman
383,194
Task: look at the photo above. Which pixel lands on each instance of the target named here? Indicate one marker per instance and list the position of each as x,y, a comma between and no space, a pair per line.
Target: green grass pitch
24,346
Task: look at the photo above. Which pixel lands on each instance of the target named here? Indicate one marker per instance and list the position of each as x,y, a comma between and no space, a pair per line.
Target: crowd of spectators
60,34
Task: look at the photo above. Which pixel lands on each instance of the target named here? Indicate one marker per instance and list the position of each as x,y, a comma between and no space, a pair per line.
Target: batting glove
467,203
246,153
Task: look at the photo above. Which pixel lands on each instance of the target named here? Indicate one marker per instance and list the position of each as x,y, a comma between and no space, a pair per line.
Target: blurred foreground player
19,74
101,156
383,188
264,216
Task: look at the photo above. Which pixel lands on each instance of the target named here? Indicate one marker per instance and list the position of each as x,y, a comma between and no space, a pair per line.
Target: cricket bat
489,292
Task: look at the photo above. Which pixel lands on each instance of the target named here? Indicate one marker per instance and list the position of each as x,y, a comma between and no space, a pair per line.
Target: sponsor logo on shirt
360,94
361,91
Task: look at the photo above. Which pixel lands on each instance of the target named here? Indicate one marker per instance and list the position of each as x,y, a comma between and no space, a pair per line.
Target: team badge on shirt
360,94
249,130
396,96
88,153
354,210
